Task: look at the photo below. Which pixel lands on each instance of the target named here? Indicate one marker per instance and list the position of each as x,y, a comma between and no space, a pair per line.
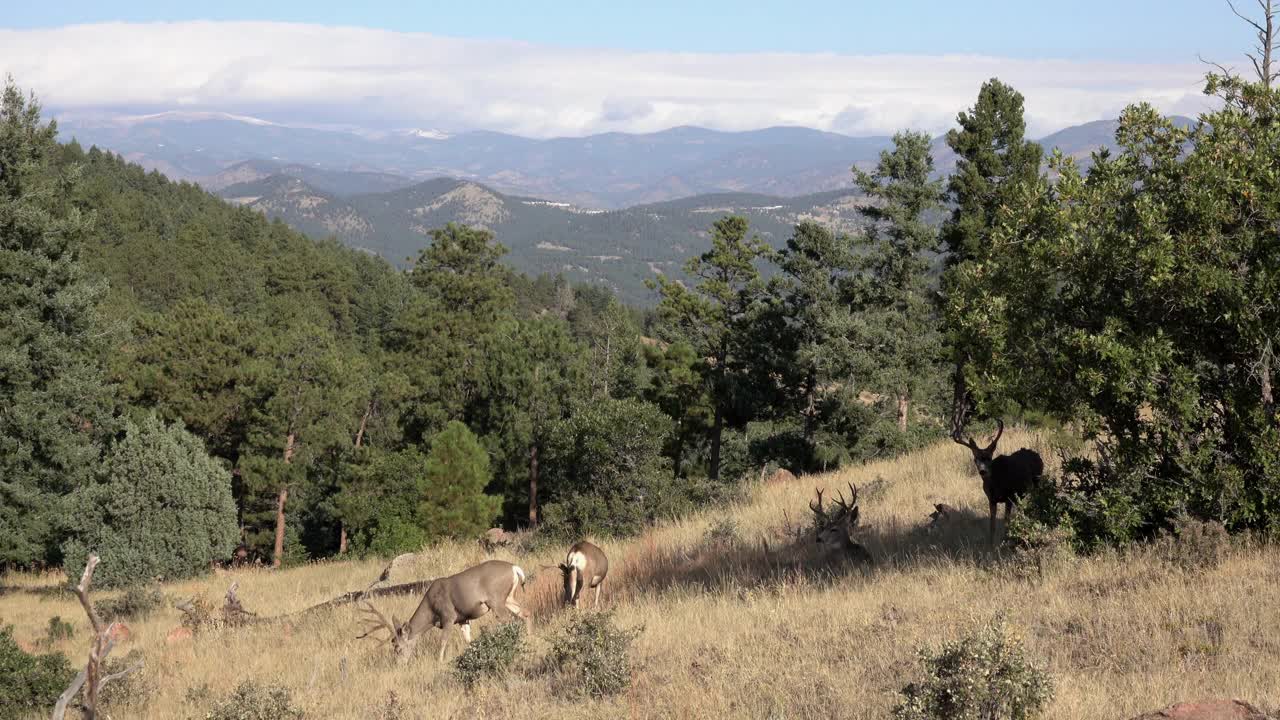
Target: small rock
781,475
178,634
1208,710
495,538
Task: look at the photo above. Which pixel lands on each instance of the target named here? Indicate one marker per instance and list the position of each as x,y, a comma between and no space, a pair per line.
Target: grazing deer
1004,478
834,531
454,600
584,567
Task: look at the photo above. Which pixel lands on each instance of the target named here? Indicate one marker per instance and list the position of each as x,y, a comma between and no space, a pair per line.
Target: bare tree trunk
717,429
364,423
811,409
533,485
904,408
959,399
608,361
1266,40
1268,399
281,499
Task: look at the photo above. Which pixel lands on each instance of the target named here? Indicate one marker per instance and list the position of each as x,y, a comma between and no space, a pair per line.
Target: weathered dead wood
234,613
90,681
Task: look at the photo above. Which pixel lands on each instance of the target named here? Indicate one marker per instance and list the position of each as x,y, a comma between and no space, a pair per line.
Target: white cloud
291,70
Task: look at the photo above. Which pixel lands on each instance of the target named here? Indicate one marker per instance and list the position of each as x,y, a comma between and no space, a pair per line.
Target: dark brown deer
834,530
584,567
1004,478
454,600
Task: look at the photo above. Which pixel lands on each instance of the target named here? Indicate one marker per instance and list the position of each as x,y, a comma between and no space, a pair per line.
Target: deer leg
599,585
514,608
466,631
991,528
444,641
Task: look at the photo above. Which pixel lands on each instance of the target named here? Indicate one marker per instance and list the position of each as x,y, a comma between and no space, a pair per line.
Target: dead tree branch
90,681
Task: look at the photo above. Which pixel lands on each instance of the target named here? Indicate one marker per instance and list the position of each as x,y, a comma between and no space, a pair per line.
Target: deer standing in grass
584,567
1004,478
454,600
834,530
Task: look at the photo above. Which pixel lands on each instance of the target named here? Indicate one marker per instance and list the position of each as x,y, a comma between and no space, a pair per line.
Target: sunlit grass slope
739,621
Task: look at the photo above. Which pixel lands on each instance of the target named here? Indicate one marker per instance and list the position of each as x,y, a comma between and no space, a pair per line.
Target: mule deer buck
454,600
584,567
834,531
1004,478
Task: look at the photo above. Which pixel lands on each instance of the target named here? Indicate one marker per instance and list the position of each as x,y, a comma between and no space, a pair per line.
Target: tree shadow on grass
791,556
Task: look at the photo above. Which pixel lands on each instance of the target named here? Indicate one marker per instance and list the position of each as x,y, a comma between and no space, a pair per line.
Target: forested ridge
165,349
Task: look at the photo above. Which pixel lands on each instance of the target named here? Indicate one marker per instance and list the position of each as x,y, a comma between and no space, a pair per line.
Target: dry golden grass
733,630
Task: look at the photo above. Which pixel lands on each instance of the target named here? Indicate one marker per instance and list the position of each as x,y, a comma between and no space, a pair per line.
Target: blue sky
1164,30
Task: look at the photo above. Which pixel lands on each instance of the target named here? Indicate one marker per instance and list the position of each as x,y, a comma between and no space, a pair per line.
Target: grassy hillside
732,632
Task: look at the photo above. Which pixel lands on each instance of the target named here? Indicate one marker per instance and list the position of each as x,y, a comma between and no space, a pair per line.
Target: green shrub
491,655
134,604
132,690
984,676
605,465
251,701
58,630
161,507
1193,545
1037,548
590,656
723,534
29,684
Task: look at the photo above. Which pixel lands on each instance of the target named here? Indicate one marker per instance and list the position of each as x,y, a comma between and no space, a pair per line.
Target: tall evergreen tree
535,369
716,316
440,339
55,404
815,265
994,163
896,328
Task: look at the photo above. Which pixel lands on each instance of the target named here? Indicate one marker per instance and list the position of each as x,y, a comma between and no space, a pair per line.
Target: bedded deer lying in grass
834,530
454,600
1004,478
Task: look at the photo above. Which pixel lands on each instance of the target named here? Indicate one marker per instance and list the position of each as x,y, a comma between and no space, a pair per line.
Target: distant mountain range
613,208
607,171
619,248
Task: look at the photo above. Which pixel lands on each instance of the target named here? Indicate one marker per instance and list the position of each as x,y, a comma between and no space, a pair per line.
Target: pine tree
453,502
55,404
815,265
897,337
994,163
716,316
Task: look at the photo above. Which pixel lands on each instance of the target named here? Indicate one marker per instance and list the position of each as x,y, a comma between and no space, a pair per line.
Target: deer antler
996,439
377,622
957,435
849,510
817,510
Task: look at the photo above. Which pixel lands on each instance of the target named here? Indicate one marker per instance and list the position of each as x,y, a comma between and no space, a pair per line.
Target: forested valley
166,351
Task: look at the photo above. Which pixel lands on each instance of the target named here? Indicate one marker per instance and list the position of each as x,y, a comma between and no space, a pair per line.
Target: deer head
982,457
401,640
834,530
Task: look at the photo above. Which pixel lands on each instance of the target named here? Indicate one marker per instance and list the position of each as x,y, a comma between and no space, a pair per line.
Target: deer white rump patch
576,560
